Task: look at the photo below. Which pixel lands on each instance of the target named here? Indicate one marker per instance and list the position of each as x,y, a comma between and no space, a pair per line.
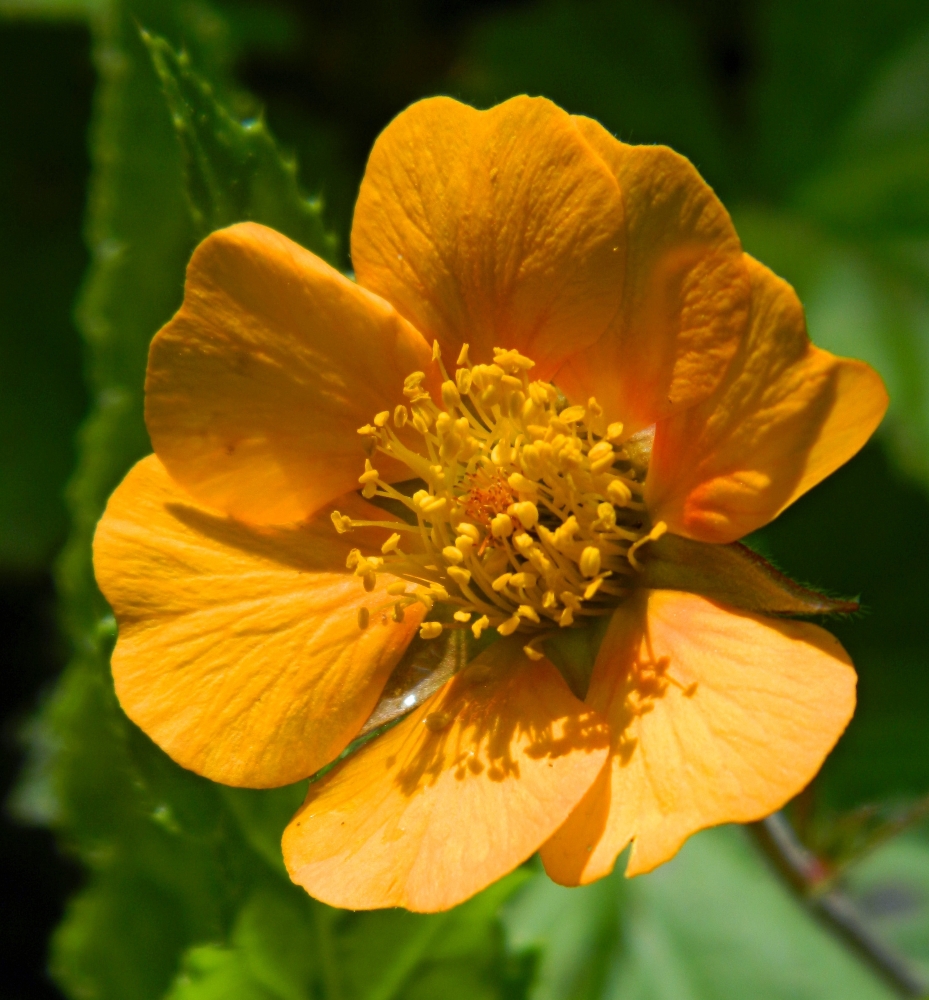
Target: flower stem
807,875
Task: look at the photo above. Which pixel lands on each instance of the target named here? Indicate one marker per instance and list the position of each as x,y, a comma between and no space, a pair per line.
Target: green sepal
733,575
573,651
235,171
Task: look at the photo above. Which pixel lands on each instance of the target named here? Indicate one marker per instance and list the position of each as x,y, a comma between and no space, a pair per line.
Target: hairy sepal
733,575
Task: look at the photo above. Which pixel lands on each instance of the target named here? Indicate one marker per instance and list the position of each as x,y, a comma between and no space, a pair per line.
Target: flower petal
685,296
786,415
455,796
257,387
239,649
717,717
501,228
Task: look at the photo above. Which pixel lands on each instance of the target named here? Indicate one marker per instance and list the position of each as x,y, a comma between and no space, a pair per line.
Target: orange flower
674,401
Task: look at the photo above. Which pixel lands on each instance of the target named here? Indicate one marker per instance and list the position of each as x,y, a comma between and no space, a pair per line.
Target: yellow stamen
479,626
531,512
653,536
392,544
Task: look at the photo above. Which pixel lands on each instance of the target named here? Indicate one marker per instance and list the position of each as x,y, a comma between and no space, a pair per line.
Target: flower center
531,511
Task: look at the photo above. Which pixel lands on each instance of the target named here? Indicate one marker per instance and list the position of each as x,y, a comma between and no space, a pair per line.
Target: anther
463,356
509,626
527,512
397,588
501,526
464,544
479,626
401,415
452,555
461,576
523,543
342,522
364,618
462,616
430,630
391,544
619,493
614,432
381,418
590,561
533,653
370,475
450,395
572,414
463,380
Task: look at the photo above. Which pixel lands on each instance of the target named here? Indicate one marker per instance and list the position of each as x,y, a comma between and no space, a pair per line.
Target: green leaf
235,171
287,946
712,924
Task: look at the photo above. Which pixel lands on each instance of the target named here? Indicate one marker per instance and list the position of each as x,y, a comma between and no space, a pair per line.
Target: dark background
330,75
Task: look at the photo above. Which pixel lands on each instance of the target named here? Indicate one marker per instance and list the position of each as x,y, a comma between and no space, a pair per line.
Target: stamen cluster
530,511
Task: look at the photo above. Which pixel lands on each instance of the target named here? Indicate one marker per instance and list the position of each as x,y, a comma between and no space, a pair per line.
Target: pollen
529,511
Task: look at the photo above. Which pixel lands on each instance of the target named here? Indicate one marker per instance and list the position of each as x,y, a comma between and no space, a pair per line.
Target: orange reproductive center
530,512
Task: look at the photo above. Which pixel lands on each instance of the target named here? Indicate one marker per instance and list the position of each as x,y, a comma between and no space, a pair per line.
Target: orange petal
239,649
786,415
257,387
685,297
455,796
501,228
717,717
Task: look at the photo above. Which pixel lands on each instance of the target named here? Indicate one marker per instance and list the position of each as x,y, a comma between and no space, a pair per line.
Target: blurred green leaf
234,170
713,924
287,946
42,174
892,887
853,232
636,68
262,815
124,907
814,61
